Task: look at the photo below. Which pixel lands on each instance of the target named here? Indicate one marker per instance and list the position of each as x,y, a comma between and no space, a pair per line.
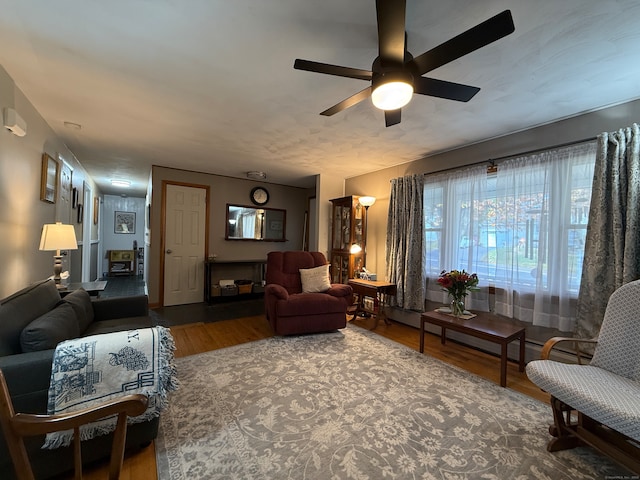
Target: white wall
328,187
23,213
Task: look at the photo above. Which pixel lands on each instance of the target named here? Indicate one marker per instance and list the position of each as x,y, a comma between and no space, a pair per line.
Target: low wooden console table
486,326
253,270
379,291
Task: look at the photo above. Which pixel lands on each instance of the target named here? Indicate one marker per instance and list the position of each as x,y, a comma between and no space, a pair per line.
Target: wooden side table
379,291
93,288
486,326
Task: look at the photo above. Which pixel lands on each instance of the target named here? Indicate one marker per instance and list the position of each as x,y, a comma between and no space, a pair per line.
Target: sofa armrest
120,307
276,290
28,376
340,290
545,353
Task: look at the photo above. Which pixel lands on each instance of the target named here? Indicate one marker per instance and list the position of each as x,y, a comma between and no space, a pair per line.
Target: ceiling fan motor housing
396,67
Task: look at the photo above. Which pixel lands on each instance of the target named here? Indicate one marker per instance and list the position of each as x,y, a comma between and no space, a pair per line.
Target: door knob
169,251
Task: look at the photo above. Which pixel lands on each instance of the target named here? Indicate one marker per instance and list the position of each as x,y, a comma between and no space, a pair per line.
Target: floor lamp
56,237
366,202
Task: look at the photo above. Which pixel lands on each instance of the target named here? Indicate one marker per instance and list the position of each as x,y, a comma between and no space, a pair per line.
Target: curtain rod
492,161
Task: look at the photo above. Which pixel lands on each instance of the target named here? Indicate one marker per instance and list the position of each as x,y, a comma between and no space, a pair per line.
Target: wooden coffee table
486,326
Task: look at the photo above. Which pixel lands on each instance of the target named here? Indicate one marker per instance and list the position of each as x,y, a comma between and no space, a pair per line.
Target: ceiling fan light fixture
392,91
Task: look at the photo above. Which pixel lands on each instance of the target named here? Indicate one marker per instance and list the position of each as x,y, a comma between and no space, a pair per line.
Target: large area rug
353,405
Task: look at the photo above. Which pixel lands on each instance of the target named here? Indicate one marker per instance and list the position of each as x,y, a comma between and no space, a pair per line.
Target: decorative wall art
74,198
125,222
49,179
80,212
96,207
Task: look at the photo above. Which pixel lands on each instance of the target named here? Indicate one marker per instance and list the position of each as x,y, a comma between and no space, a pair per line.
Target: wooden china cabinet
348,223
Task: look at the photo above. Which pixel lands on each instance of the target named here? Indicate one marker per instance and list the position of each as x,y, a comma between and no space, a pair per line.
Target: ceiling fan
396,75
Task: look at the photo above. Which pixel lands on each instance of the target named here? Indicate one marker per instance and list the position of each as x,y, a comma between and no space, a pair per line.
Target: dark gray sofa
32,322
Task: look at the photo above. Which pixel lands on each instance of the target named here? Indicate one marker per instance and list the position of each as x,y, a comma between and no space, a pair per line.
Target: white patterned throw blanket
91,370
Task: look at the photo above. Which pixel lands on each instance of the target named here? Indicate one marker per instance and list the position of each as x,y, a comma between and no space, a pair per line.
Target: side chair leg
562,428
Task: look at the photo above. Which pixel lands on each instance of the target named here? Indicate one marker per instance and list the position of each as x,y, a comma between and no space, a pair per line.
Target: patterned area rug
353,405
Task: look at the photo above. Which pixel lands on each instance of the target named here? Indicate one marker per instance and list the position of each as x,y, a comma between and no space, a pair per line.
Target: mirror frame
227,235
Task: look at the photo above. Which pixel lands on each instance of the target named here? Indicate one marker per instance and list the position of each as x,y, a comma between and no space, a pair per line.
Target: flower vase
457,306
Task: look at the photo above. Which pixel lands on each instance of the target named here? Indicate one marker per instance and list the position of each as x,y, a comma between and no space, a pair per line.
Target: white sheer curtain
541,207
455,234
521,230
246,225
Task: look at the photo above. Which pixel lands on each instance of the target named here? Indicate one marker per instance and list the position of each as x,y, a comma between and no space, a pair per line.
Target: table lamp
56,237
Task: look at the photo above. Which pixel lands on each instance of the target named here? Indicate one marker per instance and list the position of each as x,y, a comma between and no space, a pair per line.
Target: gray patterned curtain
405,234
612,246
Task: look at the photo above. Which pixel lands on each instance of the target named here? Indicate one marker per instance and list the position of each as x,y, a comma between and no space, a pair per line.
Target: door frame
163,226
86,232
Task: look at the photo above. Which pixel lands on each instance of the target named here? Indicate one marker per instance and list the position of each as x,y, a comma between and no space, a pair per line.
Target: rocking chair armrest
33,424
552,342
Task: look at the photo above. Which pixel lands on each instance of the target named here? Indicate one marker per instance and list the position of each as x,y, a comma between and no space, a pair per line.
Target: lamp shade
367,201
56,236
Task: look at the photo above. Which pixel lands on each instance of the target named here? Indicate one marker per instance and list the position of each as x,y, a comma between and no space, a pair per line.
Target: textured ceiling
209,85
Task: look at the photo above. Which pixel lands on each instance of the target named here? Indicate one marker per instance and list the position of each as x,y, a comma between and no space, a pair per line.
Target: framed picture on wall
80,213
96,207
49,180
74,198
125,222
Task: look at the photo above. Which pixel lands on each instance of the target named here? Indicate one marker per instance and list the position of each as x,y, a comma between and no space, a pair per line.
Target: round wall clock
259,195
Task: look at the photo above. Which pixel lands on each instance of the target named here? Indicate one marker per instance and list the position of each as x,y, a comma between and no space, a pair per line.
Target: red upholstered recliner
288,309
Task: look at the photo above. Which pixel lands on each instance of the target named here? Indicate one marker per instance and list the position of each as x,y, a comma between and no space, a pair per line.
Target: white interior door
185,223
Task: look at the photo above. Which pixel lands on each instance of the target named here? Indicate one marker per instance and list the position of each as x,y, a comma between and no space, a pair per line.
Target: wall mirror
252,223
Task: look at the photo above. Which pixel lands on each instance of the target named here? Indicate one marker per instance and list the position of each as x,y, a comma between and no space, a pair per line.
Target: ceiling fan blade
392,117
391,23
337,70
477,37
348,102
443,89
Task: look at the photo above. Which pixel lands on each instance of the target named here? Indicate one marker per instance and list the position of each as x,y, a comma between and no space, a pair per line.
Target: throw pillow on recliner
315,280
46,331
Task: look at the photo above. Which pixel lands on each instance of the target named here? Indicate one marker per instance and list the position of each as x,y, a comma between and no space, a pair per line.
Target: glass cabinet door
348,223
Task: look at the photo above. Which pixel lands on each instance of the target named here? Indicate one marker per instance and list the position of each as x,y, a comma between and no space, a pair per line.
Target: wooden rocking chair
16,426
599,404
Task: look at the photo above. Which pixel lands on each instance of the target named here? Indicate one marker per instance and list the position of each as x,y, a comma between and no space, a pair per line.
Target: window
522,230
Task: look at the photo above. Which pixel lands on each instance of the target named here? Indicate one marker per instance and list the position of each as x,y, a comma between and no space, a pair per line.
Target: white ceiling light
73,126
392,90
121,183
255,175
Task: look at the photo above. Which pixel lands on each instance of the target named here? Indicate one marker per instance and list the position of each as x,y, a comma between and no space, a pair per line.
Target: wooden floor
196,338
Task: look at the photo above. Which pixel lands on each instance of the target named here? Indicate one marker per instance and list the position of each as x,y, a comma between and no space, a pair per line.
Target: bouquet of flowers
458,283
